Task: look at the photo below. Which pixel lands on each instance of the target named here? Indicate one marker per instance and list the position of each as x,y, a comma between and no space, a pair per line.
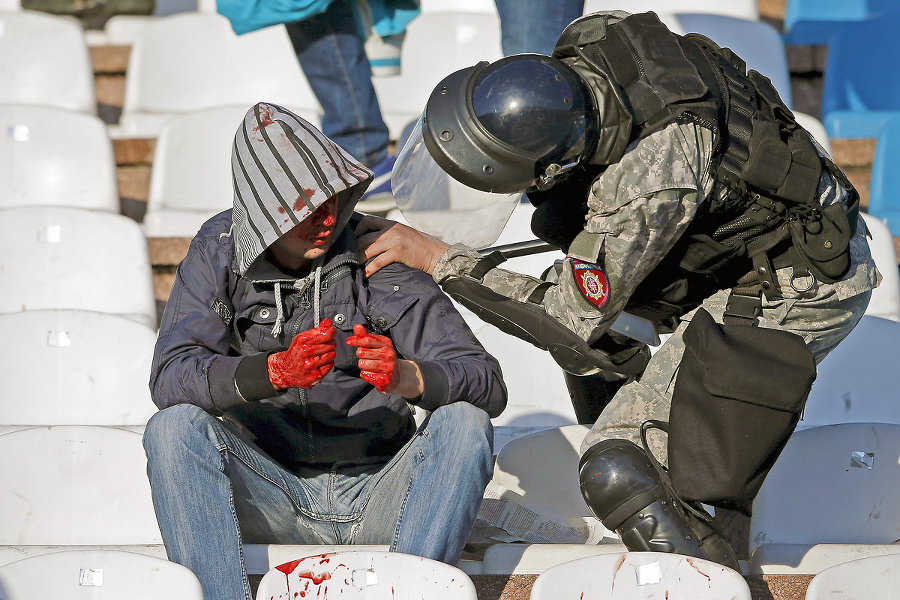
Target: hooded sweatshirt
231,306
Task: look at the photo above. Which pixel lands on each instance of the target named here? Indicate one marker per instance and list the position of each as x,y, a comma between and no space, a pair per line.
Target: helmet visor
435,203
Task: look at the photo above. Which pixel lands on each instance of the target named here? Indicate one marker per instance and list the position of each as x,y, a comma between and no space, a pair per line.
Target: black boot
626,492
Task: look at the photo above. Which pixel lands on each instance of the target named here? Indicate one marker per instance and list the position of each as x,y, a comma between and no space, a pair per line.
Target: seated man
287,379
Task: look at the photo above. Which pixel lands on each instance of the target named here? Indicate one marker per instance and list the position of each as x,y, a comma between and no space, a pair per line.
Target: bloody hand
308,359
377,359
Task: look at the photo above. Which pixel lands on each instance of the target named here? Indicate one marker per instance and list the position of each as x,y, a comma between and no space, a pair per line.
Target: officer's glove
308,359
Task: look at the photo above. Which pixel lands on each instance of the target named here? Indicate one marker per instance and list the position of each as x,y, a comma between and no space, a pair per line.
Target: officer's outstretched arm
383,242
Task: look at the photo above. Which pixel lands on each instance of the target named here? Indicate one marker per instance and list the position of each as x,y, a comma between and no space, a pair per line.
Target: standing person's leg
426,500
212,491
333,58
534,26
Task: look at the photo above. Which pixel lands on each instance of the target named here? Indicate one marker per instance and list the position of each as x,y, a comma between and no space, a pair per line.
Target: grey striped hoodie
284,169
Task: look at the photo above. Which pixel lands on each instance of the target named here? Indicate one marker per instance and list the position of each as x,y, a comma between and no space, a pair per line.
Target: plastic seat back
885,300
436,45
857,381
72,367
223,69
54,257
364,575
814,22
640,575
55,156
44,60
482,6
75,485
835,484
756,42
98,575
884,188
861,84
863,579
542,468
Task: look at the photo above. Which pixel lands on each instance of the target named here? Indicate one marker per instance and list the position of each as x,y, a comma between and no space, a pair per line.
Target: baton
635,327
517,249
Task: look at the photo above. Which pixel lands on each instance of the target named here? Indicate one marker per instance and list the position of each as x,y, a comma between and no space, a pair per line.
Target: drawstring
299,286
316,293
279,307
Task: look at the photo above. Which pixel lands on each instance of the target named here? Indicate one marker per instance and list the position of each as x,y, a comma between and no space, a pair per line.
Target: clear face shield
437,204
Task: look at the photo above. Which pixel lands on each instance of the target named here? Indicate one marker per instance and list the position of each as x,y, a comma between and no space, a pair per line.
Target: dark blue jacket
216,319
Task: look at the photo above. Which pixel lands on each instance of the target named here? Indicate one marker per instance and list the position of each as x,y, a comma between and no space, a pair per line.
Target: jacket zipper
328,277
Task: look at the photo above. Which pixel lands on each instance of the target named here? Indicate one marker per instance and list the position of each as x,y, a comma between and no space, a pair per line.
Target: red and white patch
591,282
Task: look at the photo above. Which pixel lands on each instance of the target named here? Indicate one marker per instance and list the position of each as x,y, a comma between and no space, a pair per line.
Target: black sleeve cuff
436,384
252,378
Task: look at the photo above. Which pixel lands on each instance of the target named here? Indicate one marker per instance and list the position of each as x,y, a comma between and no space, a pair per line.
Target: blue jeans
213,490
333,58
535,25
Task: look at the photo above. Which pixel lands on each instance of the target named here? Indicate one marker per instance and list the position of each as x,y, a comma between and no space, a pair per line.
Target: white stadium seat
857,381
56,157
436,44
863,579
634,575
191,179
55,257
832,493
192,61
353,575
72,367
98,575
44,60
482,6
885,301
75,485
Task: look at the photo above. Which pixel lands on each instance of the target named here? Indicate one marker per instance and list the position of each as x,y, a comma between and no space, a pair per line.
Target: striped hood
284,168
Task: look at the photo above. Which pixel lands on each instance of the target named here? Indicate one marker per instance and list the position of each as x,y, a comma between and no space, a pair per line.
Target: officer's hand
379,365
385,241
308,359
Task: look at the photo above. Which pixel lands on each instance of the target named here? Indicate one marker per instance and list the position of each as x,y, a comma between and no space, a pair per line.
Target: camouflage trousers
822,316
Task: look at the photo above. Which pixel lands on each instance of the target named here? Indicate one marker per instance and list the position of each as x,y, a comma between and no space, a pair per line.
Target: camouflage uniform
637,209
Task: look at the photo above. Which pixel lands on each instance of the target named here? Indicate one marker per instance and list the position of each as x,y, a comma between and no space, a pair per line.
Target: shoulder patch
222,310
591,282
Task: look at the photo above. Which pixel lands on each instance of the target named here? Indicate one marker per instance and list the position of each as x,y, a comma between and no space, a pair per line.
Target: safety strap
485,264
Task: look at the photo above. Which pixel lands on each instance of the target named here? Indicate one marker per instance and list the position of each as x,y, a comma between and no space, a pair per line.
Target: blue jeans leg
214,490
535,25
210,489
440,479
333,58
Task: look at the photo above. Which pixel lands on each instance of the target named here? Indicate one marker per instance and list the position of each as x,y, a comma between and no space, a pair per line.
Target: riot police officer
684,193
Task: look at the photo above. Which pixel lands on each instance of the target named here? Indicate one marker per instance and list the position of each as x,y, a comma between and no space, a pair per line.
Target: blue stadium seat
884,190
861,86
814,22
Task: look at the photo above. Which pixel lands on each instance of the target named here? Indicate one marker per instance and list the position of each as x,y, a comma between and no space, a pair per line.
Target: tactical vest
768,215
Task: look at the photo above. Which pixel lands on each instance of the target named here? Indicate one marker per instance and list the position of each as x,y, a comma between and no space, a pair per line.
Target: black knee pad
617,480
623,488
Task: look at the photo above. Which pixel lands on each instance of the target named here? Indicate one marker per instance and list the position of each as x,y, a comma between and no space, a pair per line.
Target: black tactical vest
764,213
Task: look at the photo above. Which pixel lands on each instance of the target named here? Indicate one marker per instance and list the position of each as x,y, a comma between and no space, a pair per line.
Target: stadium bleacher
73,492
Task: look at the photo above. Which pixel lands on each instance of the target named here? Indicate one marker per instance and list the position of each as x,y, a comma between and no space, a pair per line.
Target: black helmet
518,123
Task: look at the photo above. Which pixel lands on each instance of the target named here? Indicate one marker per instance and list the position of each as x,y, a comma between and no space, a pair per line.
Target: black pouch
822,239
737,399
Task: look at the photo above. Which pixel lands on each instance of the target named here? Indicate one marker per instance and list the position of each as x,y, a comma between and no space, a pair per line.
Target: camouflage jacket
637,210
